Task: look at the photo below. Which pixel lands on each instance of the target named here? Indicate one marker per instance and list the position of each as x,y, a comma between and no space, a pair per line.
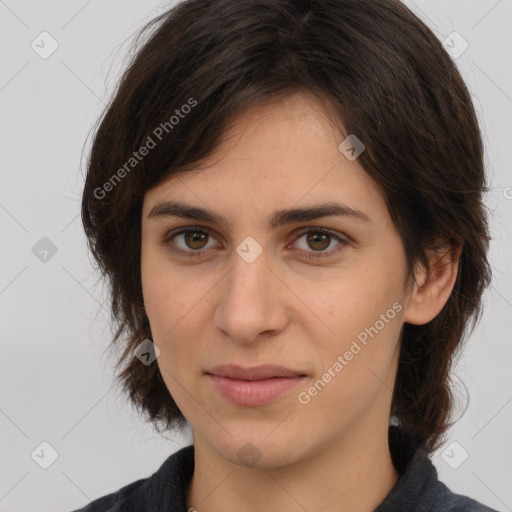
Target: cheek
173,308
360,354
165,296
351,301
362,312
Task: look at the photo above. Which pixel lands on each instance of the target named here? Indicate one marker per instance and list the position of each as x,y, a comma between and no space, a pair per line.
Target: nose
252,301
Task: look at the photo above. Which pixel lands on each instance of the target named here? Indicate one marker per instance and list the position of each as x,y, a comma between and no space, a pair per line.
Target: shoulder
164,489
128,498
437,496
460,503
419,487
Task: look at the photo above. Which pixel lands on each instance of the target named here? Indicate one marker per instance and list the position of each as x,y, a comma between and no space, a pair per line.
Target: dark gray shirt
417,490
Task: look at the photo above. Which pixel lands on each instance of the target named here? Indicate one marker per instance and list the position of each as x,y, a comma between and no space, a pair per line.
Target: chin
259,451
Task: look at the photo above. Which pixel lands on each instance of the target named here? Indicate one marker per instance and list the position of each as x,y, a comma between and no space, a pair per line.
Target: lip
264,371
256,386
253,393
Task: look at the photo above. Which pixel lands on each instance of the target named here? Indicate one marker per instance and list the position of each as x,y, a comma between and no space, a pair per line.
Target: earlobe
432,289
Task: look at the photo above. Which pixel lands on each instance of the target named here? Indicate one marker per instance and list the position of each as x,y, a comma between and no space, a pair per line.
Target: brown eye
195,239
315,243
318,241
190,241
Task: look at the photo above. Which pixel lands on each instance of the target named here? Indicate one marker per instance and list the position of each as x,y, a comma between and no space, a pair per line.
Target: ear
432,289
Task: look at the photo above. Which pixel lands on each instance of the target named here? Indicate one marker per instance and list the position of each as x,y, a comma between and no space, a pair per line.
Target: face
320,294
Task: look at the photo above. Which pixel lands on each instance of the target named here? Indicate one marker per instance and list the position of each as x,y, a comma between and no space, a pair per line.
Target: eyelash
195,254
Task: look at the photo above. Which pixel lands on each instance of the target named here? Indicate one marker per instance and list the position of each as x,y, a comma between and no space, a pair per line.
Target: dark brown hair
387,79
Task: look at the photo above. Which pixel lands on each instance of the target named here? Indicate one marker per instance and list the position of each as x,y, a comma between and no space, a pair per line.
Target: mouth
253,387
261,372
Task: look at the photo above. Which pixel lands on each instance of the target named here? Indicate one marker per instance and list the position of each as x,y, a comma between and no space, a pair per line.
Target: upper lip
264,371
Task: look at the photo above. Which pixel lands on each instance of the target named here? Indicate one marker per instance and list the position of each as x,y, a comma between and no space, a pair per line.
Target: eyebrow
279,217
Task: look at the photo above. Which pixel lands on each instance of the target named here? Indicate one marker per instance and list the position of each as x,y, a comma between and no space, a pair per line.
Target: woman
286,197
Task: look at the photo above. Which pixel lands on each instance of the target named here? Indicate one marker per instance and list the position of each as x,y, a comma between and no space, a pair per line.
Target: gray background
56,383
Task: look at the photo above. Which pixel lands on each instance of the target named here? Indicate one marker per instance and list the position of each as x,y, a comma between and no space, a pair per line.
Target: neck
353,472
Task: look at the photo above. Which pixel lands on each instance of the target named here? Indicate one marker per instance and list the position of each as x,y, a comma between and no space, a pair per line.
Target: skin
332,453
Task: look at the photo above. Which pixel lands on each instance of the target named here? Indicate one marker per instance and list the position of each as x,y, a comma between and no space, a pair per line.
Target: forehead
284,152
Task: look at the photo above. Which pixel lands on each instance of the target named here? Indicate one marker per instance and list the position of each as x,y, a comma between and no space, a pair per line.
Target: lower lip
253,393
